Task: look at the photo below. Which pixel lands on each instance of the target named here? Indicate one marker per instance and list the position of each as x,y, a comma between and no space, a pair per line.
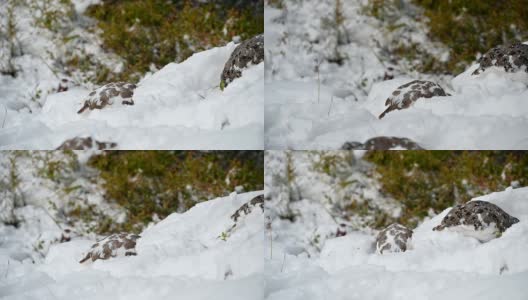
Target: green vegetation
467,27
154,33
424,180
148,183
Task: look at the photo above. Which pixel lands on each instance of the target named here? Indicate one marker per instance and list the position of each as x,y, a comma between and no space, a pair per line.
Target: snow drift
314,103
185,256
181,106
438,265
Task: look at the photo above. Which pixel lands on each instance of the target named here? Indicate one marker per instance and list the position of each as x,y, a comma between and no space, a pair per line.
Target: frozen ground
182,257
312,102
439,265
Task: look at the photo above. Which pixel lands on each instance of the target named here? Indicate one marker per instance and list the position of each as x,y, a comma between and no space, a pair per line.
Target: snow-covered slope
314,103
185,256
180,106
439,265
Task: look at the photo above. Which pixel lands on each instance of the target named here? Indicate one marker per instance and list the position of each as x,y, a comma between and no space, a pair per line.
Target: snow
312,103
180,106
439,264
180,257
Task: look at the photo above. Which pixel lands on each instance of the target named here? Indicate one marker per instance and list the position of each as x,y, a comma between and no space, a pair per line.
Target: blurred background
316,195
424,39
48,197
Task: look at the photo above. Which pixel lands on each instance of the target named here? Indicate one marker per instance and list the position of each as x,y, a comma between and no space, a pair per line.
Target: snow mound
182,256
180,106
326,85
437,265
484,112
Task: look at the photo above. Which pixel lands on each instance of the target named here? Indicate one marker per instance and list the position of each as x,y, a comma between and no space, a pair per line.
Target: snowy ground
180,106
439,265
181,257
313,103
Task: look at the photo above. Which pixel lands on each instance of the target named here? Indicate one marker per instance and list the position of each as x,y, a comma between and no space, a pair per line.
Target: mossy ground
154,33
466,27
148,183
435,180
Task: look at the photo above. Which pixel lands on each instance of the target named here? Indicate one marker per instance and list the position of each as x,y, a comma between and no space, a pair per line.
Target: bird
122,244
511,57
480,219
105,95
249,51
409,93
393,238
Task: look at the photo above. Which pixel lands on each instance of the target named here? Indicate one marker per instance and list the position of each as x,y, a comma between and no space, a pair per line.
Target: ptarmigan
249,51
479,219
394,238
122,244
408,93
511,57
383,143
85,143
121,92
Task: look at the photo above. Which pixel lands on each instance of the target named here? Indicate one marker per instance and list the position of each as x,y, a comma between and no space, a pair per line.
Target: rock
249,51
122,244
394,238
409,93
79,143
479,219
108,94
383,143
512,57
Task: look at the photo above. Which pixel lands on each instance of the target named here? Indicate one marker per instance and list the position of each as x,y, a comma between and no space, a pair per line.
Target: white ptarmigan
394,238
122,244
409,93
511,58
121,92
479,219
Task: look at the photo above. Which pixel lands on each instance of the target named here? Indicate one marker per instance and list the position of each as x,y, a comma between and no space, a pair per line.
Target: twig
331,102
5,116
283,260
7,270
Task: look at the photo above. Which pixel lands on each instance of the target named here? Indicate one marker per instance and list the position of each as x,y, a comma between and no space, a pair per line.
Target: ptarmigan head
248,52
394,238
480,219
512,57
120,92
122,244
408,93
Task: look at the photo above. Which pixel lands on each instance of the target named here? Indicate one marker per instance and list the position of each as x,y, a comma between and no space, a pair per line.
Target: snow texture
182,256
180,106
438,265
314,102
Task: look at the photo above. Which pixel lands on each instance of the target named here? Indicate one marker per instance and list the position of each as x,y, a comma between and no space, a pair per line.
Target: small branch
331,102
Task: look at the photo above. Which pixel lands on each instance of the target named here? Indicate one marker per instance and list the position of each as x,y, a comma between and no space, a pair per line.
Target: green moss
423,180
157,32
466,27
162,182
